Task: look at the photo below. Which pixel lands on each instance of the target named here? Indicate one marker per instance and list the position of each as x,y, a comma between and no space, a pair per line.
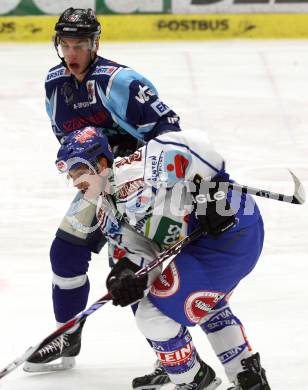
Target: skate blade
212,386
66,363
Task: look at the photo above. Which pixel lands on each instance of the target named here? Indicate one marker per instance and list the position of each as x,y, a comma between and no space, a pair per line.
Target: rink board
166,27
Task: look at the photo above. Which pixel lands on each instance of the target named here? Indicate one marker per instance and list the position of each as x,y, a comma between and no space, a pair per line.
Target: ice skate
253,377
64,347
205,379
153,381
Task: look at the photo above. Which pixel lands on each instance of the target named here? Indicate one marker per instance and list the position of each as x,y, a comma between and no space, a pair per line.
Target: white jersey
151,194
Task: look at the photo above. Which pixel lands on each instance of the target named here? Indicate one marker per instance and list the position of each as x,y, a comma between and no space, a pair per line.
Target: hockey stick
171,251
298,196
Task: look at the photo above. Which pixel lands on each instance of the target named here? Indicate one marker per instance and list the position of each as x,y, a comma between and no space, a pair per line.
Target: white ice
252,99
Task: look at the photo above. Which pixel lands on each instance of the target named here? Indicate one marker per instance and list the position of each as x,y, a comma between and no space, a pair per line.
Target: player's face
89,180
77,54
81,177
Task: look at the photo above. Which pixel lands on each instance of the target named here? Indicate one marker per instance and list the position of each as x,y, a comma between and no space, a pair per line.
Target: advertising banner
113,7
105,7
139,20
165,27
239,6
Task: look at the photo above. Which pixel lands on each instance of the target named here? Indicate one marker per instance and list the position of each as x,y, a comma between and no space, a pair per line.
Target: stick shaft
171,251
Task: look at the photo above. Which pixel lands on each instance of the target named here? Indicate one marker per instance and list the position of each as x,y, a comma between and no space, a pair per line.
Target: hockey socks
227,337
178,356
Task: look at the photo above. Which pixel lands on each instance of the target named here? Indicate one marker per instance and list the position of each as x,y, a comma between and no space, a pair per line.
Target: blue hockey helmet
83,146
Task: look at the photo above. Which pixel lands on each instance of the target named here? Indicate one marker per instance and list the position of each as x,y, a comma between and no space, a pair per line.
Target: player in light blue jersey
85,89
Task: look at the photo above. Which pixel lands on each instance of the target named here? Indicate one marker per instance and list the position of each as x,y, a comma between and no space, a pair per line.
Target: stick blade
299,196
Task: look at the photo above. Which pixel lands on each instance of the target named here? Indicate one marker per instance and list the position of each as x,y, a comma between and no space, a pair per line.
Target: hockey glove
213,210
124,286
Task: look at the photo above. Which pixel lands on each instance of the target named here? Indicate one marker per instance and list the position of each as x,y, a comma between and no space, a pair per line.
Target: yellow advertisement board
165,27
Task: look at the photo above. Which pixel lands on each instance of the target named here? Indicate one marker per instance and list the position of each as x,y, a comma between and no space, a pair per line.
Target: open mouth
74,66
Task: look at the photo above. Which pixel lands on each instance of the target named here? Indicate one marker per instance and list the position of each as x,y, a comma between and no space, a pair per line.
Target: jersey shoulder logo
144,94
104,69
176,164
57,73
160,107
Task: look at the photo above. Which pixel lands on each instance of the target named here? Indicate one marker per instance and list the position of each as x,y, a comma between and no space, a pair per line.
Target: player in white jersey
145,203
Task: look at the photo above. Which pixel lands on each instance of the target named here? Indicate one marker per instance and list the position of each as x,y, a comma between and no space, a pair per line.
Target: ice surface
252,99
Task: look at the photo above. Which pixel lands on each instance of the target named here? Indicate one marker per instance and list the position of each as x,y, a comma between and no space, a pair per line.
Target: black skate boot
205,379
66,347
153,381
253,377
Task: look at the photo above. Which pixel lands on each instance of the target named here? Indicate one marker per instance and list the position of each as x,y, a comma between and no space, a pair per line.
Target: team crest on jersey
167,283
104,69
200,303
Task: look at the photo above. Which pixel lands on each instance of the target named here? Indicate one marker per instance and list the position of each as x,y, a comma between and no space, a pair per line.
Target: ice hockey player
87,89
145,203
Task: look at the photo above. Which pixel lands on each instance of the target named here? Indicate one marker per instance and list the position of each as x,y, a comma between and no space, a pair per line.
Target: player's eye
64,46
